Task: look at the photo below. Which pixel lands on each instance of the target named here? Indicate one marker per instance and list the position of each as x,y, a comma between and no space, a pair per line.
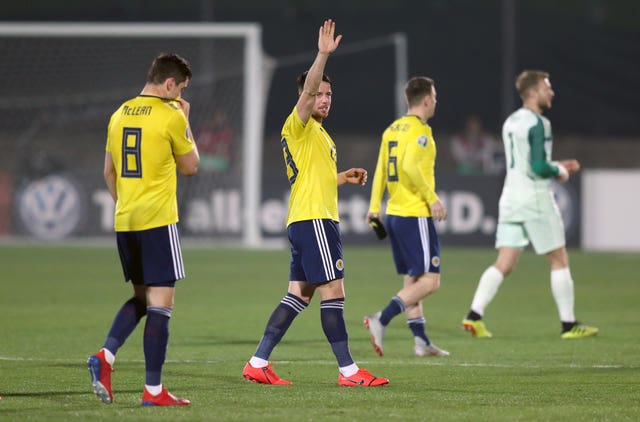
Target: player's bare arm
110,175
356,176
327,44
188,163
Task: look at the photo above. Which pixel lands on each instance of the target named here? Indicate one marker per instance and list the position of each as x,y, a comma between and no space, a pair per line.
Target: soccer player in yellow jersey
405,167
528,212
313,226
148,137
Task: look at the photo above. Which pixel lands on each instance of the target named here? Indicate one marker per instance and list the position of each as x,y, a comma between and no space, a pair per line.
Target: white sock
562,289
349,370
108,356
154,389
258,362
487,288
420,342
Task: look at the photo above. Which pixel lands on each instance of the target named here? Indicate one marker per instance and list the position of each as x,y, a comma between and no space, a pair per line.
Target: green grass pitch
57,304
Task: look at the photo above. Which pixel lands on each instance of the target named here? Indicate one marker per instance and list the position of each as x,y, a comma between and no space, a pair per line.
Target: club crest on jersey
422,141
340,265
435,261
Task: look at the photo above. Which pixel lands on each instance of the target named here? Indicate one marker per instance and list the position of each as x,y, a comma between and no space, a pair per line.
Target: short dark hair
528,79
303,77
417,88
168,65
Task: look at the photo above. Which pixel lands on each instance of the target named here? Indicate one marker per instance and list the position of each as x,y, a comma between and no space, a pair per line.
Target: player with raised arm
313,226
528,212
148,137
405,167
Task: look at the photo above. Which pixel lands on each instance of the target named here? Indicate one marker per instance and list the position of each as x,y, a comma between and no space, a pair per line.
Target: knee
431,282
302,290
140,306
434,285
306,298
559,259
505,268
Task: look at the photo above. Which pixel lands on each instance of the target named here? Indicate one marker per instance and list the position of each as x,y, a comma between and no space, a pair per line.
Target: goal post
63,80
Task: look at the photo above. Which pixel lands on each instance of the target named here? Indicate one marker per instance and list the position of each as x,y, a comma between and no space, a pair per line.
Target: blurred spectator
214,143
476,151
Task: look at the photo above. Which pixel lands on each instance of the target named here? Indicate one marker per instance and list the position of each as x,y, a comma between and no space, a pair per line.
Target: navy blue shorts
415,245
151,257
316,251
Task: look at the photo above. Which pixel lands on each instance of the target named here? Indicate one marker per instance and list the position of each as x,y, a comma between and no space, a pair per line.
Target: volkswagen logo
50,208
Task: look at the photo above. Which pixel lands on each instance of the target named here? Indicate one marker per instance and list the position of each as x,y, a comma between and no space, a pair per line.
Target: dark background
590,47
472,48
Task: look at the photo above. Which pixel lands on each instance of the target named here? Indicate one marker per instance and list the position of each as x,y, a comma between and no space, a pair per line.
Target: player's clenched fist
356,176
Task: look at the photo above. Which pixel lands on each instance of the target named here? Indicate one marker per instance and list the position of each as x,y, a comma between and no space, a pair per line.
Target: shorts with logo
546,233
151,257
316,251
415,244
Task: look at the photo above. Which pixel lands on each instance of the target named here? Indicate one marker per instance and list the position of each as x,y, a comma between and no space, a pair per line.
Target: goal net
62,81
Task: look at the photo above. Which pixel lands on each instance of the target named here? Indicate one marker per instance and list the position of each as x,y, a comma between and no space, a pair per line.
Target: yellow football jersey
406,163
144,135
310,158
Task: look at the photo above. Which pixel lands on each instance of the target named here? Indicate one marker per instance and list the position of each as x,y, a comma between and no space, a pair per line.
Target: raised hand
184,105
326,41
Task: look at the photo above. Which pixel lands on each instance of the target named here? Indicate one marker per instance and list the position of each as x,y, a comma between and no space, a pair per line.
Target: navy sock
124,323
417,327
156,340
279,322
332,318
396,306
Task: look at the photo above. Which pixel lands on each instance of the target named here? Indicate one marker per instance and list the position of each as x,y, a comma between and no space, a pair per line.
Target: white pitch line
412,362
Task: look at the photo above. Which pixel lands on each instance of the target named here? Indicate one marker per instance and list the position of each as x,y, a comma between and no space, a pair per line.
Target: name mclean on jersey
399,127
137,111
